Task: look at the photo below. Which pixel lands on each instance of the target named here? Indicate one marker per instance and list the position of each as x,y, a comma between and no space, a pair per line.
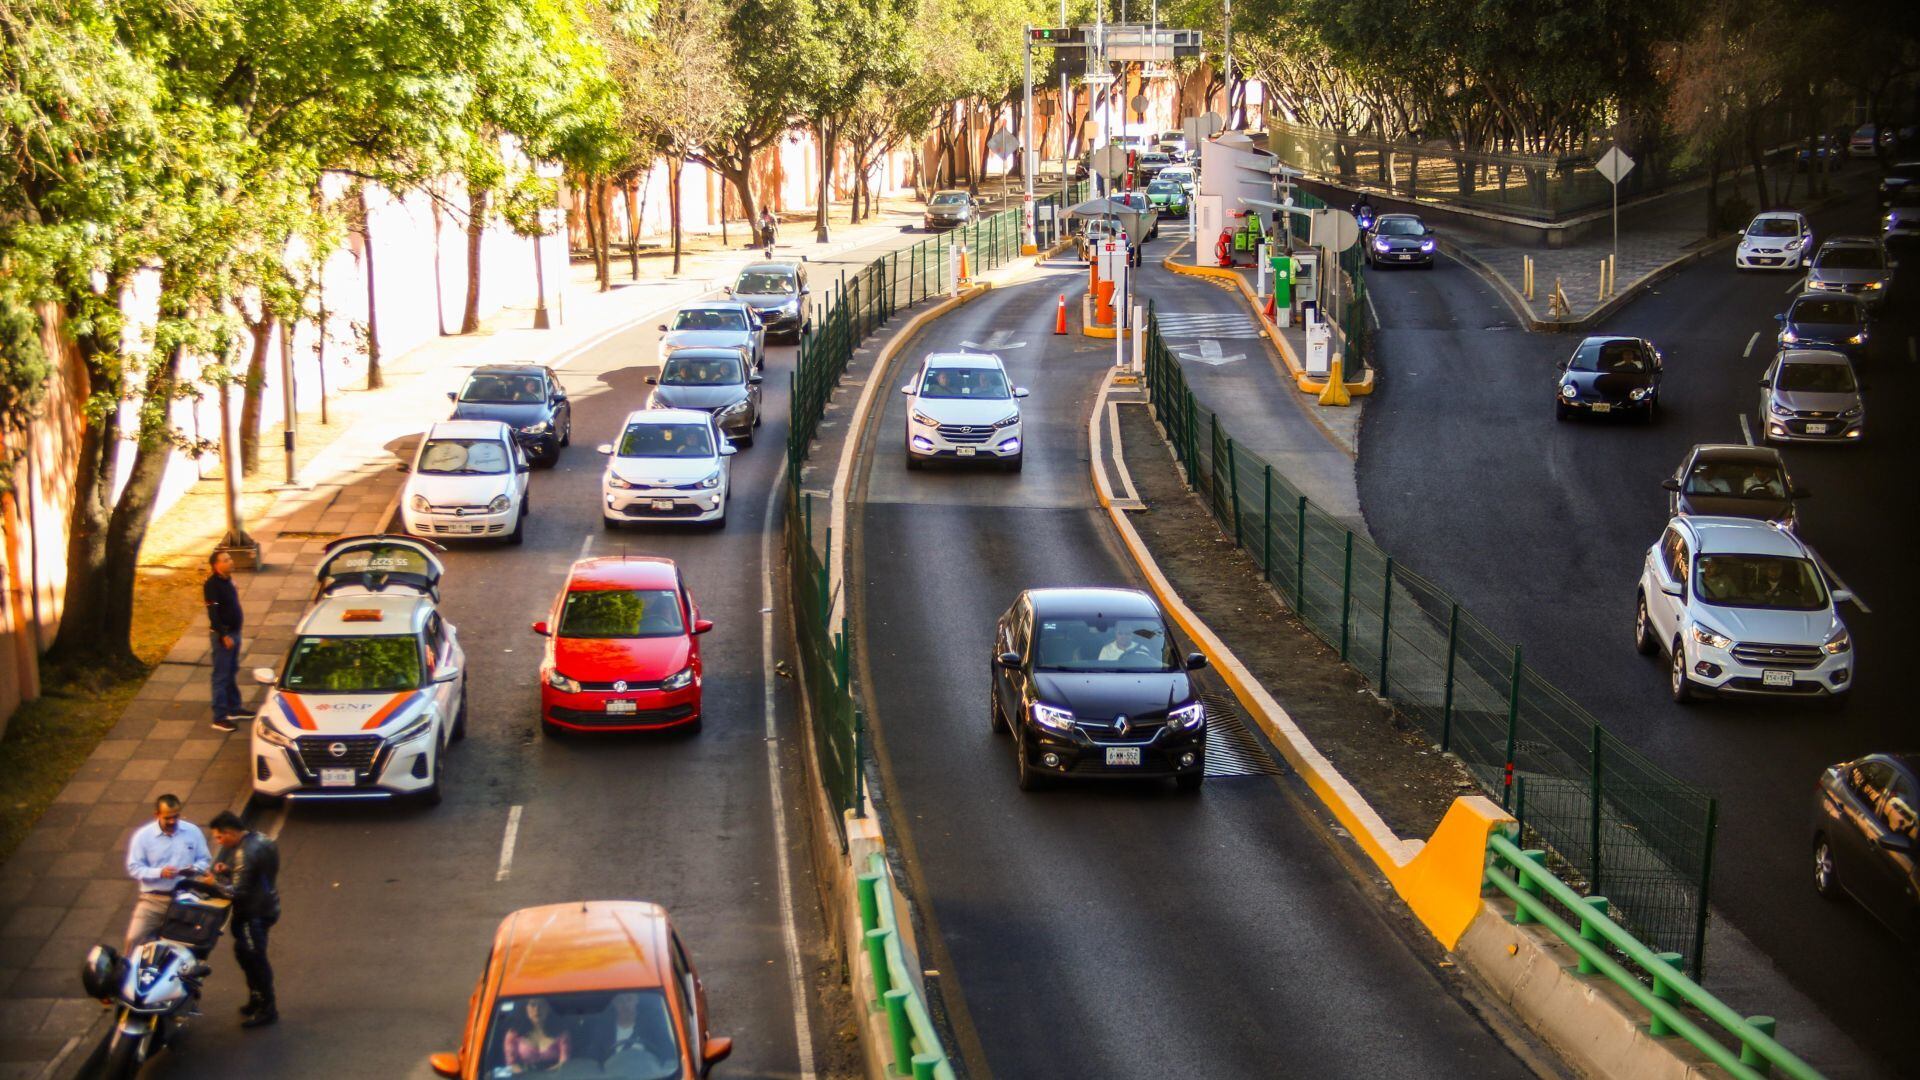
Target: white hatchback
1780,240
669,465
468,480
962,406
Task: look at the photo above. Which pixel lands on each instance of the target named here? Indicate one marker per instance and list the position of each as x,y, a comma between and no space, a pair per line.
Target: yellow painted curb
1087,325
1300,380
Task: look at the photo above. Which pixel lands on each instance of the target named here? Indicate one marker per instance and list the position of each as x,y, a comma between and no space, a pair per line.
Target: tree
771,50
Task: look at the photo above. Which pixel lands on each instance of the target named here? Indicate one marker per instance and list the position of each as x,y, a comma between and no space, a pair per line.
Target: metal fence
1346,292
1618,821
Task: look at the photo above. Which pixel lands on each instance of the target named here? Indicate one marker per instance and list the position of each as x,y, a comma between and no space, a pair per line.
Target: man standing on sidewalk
224,619
250,863
162,852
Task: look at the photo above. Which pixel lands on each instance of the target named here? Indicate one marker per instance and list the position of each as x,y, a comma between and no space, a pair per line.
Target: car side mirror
446,675
401,466
1766,382
263,676
1196,661
1671,588
1842,596
604,448
1896,843
1670,484
445,1064
907,389
541,628
653,380
715,1050
1009,660
701,626
756,380
729,450
663,328
1780,318
451,396
728,289
1020,391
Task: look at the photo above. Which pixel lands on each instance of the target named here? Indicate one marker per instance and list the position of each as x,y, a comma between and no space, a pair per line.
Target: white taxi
373,690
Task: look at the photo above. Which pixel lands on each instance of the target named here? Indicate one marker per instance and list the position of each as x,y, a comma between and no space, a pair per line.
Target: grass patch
47,740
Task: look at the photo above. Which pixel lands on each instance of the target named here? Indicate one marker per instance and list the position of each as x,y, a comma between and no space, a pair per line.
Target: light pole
1028,242
1227,51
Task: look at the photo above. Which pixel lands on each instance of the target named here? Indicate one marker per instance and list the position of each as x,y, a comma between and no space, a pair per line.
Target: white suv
669,465
1742,607
962,405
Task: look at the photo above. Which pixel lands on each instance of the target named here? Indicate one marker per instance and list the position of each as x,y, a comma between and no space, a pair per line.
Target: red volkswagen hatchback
623,652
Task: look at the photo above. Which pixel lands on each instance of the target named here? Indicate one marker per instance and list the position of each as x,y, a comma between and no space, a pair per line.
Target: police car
373,690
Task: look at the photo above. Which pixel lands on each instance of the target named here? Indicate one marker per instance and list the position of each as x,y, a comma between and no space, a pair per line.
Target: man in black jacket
224,619
250,864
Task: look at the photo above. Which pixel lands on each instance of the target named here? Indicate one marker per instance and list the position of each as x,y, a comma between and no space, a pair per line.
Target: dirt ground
1408,780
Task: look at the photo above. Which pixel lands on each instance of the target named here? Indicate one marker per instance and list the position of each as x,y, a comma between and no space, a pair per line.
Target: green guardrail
916,1047
1745,1046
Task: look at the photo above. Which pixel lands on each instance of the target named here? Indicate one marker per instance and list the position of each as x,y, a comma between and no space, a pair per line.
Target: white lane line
586,544
1751,342
1371,311
789,931
506,844
1833,577
1797,285
1746,433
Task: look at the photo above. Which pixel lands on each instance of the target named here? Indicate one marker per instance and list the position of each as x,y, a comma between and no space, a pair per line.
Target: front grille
1835,428
632,686
1138,731
360,750
1800,687
1757,654
966,433
645,717
680,509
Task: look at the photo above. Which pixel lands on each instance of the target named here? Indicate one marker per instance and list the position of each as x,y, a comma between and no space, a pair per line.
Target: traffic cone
1270,308
964,276
1060,316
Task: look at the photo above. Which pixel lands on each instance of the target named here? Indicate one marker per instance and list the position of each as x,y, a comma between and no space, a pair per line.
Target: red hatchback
623,652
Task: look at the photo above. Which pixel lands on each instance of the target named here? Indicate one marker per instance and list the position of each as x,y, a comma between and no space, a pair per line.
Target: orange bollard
1060,316
1103,304
964,276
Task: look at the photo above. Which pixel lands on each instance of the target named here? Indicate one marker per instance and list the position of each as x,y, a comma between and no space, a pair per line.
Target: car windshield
964,382
463,457
373,664
764,283
1737,479
1100,644
666,441
1849,258
620,613
710,319
1907,196
1815,379
1610,356
1155,158
1774,226
492,388
1399,226
1825,311
1163,187
947,198
683,370
598,1035
1760,581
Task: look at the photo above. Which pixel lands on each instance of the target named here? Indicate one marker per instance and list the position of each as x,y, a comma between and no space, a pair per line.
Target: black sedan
1608,375
1090,685
1400,240
527,398
1866,843
1731,480
716,381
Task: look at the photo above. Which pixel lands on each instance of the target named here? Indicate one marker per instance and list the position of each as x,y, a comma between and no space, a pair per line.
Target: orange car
600,990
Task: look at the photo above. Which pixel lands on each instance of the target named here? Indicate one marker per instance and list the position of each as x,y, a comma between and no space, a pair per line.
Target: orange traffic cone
964,276
1060,316
1270,311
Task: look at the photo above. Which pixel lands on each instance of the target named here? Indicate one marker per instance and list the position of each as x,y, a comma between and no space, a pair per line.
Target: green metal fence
825,660
1618,821
916,1049
1346,294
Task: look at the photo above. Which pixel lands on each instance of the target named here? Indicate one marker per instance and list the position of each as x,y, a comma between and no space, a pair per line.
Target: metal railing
915,1043
1745,1046
825,662
1619,822
1346,295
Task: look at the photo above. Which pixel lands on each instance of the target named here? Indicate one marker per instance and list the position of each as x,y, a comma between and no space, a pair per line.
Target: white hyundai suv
1741,607
669,465
962,405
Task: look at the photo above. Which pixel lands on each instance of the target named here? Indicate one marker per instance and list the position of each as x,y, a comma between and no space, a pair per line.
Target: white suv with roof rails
963,406
1742,607
374,689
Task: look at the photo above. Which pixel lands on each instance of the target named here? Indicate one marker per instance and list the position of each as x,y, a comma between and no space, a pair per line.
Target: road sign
1138,41
1110,160
1614,165
1199,129
1335,230
1003,143
1098,78
1139,104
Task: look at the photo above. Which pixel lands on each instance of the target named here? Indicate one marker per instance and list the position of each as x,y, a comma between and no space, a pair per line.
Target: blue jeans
226,666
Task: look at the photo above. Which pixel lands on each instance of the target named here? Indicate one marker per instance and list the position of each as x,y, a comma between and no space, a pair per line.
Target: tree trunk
603,207
439,285
742,182
252,388
1758,158
477,213
1713,193
374,379
675,165
76,643
632,191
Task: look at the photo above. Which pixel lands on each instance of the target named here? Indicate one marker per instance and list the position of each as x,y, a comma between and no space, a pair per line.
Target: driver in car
1123,643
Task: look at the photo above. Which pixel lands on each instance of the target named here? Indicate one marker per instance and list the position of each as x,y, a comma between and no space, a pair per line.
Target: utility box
1282,282
1306,279
1319,348
1113,257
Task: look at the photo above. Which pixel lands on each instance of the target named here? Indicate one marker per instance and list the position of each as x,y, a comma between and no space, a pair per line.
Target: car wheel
1679,685
721,521
914,463
519,534
1029,778
566,433
1559,411
1825,881
995,722
1644,642
744,442
460,718
699,723
552,730
609,524
1190,783
756,419
1013,463
270,802
1651,413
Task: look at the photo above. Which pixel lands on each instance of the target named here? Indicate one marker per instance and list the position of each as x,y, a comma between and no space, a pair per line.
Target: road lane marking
1746,433
1840,584
506,844
1751,342
789,932
1799,285
586,544
999,339
269,821
1211,355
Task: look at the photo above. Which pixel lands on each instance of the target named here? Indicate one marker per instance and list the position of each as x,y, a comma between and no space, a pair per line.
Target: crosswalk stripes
1231,748
1186,324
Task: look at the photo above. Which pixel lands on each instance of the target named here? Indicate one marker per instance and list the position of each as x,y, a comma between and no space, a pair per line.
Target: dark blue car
1610,375
527,398
1825,321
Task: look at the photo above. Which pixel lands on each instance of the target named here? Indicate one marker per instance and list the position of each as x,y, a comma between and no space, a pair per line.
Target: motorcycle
1365,218
155,989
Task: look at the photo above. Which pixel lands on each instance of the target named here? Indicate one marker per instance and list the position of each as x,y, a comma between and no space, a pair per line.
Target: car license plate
966,451
1776,678
620,706
1603,406
336,777
662,504
1404,255
1816,429
1123,755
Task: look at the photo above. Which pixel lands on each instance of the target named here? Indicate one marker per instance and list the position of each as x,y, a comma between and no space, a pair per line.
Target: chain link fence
1621,826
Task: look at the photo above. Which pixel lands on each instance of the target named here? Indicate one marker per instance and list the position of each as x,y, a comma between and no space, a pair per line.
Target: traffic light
1057,36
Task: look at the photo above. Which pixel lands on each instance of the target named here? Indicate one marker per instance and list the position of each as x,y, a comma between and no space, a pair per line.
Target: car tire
566,433
995,722
745,442
1678,684
1559,411
914,463
1826,881
1013,463
269,802
1644,641
609,524
1651,414
698,725
550,729
519,534
1190,783
1028,777
460,719
721,521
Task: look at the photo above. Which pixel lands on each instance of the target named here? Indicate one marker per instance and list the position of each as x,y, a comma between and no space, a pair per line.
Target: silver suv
1811,395
1856,265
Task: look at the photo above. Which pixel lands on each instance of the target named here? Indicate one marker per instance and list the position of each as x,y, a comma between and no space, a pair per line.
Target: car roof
713,305
710,352
623,572
1814,356
364,614
962,360
1736,452
1908,759
770,268
1790,214
1741,536
1092,601
509,369
1388,217
1602,339
1851,241
468,429
592,945
668,416
950,191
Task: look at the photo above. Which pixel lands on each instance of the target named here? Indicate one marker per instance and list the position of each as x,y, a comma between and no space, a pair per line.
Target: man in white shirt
1123,642
161,853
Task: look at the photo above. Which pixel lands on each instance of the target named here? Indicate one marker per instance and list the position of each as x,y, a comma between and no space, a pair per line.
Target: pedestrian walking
162,853
250,864
224,619
769,230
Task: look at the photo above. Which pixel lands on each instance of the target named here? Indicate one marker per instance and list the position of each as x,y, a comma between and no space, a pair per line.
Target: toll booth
1233,174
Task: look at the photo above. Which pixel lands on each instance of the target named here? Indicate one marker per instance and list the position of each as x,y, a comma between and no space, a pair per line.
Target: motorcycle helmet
99,973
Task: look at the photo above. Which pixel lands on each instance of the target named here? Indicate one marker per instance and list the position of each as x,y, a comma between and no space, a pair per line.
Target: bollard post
1665,992
924,1066
877,960
1765,1025
867,886
1346,596
1513,723
1603,279
1596,909
1446,707
1529,884
896,1001
1386,622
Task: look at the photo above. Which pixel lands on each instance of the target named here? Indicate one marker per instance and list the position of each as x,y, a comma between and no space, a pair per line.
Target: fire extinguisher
1223,249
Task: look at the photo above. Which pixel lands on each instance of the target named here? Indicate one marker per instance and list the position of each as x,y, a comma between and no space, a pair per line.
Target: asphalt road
1112,930
390,911
1540,528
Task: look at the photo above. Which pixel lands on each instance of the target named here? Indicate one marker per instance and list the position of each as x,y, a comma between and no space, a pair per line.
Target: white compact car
1741,607
1780,240
468,480
962,406
373,690
669,465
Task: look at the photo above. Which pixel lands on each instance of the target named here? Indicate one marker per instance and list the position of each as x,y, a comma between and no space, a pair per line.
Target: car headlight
1007,422
1778,409
419,726
679,680
420,504
614,481
1053,717
712,480
1874,286
499,504
923,419
1840,642
737,407
1381,246
1858,339
1853,413
1426,245
562,683
1187,717
271,735
1795,243
1821,286
1789,336
1639,393
1569,391
1709,638
535,429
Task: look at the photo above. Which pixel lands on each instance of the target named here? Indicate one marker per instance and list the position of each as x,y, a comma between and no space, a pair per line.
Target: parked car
1901,223
723,324
777,292
1400,240
946,209
468,480
1777,240
963,406
623,649
1741,607
1092,234
588,969
1855,265
1865,141
1138,201
1090,685
1866,843
1825,320
1169,197
1733,480
527,398
1811,395
1901,175
1607,375
373,690
669,465
713,381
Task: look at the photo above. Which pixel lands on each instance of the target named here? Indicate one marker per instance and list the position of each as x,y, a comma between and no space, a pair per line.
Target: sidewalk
65,889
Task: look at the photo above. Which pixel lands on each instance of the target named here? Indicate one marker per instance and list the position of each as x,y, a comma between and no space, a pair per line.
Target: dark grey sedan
713,381
1866,838
1400,240
1732,480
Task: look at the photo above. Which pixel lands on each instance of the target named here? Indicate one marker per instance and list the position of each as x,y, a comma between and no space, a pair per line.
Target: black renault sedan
1866,843
1610,375
527,398
1088,683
